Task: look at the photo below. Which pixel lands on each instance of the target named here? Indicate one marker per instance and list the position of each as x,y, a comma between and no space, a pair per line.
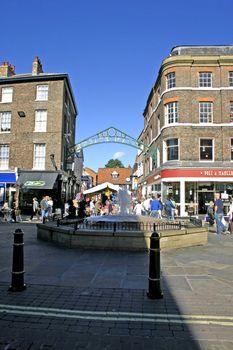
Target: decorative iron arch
112,135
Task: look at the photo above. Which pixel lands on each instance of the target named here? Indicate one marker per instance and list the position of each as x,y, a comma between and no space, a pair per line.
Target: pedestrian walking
44,208
35,208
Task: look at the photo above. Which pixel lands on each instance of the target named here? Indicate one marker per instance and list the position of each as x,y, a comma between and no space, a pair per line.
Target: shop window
5,121
171,112
4,156
206,149
206,112
205,79
171,80
7,94
39,156
172,149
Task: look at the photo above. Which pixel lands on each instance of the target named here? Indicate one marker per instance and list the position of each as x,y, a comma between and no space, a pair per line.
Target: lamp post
53,161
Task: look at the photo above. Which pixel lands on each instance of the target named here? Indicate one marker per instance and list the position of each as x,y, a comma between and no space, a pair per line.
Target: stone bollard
154,291
17,281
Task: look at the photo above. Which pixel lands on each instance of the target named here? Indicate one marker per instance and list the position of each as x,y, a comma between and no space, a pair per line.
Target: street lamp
53,161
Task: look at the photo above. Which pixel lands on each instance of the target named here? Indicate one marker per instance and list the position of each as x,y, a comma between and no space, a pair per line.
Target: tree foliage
114,163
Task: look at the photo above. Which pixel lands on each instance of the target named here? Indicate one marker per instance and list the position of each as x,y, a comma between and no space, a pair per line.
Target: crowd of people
150,206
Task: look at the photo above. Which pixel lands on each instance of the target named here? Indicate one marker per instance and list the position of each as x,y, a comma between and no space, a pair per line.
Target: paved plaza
87,299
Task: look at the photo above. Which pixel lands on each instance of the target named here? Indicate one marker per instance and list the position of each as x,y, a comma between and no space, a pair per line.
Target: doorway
203,200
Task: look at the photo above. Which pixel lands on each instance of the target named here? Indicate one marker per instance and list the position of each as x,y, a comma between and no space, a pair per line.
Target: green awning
38,180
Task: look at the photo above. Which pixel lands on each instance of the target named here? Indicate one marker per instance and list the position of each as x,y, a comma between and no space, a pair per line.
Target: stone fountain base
121,240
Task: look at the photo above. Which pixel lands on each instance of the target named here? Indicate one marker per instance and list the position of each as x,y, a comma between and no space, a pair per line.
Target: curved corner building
188,120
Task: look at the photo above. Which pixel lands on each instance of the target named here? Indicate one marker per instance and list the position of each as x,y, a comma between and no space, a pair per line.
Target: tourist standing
50,206
169,208
146,205
210,213
155,208
218,214
71,210
138,209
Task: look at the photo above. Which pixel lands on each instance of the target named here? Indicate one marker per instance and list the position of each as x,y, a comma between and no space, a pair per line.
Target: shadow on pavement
82,299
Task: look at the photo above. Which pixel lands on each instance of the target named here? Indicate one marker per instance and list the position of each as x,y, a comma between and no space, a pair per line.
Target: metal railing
81,224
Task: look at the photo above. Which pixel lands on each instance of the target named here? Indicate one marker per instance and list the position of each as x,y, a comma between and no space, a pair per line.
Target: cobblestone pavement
82,299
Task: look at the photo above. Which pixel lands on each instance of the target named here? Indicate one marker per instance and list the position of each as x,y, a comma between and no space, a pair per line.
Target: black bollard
17,281
154,291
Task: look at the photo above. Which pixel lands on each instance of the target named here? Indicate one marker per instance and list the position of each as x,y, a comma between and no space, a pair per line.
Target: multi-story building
188,120
37,127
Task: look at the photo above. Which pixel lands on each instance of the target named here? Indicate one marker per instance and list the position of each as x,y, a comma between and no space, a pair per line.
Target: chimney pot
6,69
36,66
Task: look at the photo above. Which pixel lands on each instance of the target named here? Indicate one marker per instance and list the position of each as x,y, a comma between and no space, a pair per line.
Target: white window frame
212,146
165,149
41,120
205,79
171,112
39,156
42,92
4,156
171,80
7,94
206,112
114,175
230,78
5,122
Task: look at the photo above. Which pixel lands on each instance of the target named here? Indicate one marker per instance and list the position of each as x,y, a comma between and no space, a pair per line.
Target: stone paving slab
77,299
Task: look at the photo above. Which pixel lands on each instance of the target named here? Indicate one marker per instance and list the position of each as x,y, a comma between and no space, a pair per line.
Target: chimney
6,70
36,66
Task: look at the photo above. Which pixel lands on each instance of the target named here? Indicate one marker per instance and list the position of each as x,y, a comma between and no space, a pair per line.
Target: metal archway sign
112,135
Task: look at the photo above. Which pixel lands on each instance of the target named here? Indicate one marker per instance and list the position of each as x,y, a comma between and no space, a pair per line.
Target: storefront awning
37,180
102,187
7,178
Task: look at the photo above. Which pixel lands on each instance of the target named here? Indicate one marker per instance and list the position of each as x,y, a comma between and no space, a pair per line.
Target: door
203,200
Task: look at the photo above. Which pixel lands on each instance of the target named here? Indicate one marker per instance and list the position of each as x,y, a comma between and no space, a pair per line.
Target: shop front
196,186
38,184
7,187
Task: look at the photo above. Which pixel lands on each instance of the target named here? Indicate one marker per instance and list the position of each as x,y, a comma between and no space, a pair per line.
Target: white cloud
118,155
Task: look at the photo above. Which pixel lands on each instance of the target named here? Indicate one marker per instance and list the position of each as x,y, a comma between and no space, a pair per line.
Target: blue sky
112,51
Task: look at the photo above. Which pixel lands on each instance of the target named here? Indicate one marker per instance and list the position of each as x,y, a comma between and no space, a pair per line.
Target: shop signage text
197,173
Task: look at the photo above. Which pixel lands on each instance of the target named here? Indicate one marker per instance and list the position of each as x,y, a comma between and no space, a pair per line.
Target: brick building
37,120
188,119
116,176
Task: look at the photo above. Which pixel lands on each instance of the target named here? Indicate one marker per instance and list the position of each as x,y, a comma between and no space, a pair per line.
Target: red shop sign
197,173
